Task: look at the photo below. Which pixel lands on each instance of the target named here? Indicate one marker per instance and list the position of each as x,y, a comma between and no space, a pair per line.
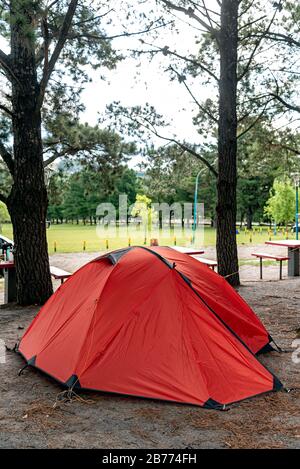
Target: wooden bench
59,274
10,287
262,255
208,262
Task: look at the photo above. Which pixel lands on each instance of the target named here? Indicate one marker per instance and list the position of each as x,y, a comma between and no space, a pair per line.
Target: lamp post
196,206
297,183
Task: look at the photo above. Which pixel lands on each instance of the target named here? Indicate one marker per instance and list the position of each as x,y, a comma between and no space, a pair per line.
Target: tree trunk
160,220
249,219
27,202
227,144
242,220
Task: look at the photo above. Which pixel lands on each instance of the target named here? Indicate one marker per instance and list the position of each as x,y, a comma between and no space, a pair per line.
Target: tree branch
291,107
6,110
52,158
195,154
6,65
63,36
96,37
255,121
246,25
211,21
183,146
191,14
7,158
248,7
258,42
94,18
199,8
182,79
52,4
4,61
285,147
72,150
45,33
3,199
166,51
279,37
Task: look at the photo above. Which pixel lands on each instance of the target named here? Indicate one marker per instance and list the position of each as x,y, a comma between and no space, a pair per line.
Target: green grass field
71,238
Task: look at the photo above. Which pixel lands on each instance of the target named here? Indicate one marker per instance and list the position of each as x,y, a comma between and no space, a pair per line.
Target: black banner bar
137,457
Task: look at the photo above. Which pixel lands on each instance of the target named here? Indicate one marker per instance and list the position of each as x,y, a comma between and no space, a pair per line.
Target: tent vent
265,349
32,360
211,404
114,257
73,382
277,385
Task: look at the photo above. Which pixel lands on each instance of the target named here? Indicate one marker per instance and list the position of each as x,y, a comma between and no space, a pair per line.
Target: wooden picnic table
209,262
189,251
293,255
10,292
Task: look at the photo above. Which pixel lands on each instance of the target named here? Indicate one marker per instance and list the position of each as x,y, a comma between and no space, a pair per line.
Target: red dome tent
154,323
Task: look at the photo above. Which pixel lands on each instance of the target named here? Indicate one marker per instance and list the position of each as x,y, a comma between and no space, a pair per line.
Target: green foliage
76,195
89,146
281,205
127,183
5,179
4,215
170,176
263,155
142,209
56,192
88,46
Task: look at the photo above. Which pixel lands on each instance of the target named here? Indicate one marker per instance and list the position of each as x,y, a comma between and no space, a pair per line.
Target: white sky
152,85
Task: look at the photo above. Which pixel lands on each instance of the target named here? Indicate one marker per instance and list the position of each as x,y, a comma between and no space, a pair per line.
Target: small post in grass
106,244
55,246
84,245
296,178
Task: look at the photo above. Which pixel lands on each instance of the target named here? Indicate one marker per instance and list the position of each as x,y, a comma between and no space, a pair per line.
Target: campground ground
29,418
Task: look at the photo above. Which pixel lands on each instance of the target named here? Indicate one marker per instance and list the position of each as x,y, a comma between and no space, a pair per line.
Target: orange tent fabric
154,323
223,299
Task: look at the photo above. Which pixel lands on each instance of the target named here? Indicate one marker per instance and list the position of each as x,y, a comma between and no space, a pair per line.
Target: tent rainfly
154,323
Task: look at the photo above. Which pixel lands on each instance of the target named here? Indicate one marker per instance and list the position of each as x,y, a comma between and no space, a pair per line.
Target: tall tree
284,38
264,154
231,60
227,142
280,207
48,43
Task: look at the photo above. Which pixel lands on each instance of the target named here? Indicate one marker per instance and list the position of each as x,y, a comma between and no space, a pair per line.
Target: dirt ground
33,416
